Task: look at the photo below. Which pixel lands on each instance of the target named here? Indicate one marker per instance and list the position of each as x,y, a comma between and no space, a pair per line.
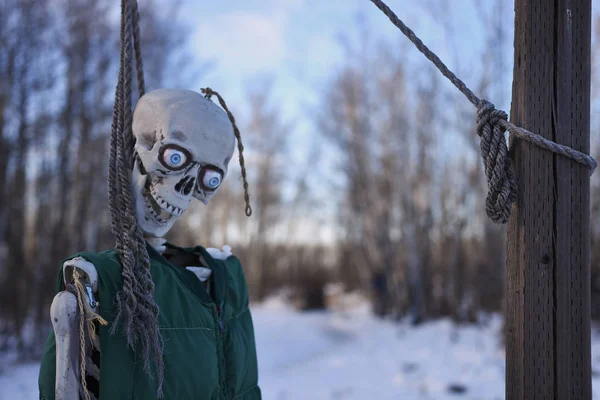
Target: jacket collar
219,274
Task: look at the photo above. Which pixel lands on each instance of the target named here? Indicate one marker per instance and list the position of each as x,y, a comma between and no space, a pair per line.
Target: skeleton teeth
151,204
165,215
159,208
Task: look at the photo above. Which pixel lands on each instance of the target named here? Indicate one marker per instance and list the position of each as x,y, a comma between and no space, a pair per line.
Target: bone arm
84,266
63,312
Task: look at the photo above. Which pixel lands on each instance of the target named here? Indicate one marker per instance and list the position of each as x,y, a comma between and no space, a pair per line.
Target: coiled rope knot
502,183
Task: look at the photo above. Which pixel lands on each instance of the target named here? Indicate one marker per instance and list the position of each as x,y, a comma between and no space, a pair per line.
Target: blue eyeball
211,179
174,158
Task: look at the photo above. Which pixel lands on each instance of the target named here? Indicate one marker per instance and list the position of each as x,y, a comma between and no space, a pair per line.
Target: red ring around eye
210,178
174,157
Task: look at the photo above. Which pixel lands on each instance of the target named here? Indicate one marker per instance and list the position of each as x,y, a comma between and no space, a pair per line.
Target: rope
491,126
137,43
82,368
208,94
137,312
84,315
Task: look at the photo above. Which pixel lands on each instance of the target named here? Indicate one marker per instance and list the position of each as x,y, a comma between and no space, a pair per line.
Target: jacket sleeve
47,376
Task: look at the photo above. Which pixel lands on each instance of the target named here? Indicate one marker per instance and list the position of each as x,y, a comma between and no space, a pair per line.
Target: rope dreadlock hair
137,313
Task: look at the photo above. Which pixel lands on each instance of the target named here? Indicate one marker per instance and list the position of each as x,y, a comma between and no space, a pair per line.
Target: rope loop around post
491,126
501,179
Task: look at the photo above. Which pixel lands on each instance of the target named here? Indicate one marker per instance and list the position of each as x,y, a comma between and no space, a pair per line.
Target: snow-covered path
355,356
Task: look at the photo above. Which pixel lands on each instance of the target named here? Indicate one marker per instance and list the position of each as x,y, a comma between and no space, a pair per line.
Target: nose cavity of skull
185,185
189,186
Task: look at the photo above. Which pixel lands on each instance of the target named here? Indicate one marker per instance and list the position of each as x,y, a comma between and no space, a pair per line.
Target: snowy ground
355,356
337,355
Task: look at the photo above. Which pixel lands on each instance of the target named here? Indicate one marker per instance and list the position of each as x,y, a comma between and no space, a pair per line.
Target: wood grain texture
548,285
572,284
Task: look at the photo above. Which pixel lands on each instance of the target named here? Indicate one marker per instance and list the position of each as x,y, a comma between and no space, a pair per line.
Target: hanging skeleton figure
149,319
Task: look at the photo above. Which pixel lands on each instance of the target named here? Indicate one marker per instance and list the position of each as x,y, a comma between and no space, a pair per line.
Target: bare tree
26,23
267,136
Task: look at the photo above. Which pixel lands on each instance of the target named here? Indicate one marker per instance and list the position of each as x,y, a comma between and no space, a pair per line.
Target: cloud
248,42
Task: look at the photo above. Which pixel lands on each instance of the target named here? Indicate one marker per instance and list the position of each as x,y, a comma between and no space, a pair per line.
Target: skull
184,143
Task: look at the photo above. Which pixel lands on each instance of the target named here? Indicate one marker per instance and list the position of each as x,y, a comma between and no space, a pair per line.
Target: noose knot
502,183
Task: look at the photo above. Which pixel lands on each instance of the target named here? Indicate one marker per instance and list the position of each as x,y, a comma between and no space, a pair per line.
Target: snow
201,272
19,382
218,254
349,354
353,355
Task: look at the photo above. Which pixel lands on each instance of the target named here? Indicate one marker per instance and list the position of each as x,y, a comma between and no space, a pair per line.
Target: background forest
371,184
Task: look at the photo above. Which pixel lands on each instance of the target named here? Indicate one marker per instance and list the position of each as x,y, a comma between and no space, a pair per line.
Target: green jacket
209,346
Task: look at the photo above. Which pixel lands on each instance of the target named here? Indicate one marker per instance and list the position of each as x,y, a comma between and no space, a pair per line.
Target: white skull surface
184,143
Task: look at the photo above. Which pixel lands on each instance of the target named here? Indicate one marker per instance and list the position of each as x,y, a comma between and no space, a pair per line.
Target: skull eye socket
174,157
211,179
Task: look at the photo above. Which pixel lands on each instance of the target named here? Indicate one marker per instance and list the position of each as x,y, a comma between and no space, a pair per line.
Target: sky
295,42
296,45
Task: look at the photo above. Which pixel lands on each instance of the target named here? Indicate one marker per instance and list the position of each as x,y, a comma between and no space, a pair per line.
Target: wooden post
548,284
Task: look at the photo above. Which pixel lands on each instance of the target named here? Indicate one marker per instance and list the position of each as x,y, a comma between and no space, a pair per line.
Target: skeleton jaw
153,209
158,207
152,212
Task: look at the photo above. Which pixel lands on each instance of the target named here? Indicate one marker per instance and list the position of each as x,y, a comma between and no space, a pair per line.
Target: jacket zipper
220,320
221,355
